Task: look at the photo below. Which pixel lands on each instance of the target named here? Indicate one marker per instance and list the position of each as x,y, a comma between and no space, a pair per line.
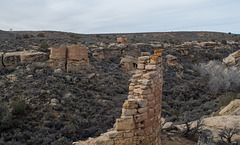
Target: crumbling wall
140,122
13,59
72,58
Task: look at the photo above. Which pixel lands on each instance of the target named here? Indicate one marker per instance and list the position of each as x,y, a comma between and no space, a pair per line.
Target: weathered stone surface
150,67
141,66
167,125
129,112
141,117
145,53
172,60
149,75
142,102
125,124
232,108
142,92
232,59
130,105
143,58
145,82
142,110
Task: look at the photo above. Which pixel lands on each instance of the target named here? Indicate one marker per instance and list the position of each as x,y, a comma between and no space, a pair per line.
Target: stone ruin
128,63
122,40
71,58
140,122
13,59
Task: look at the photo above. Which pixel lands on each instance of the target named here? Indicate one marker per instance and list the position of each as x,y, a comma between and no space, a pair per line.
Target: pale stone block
145,53
149,75
150,67
142,103
125,124
142,92
130,105
129,112
143,58
131,88
144,87
141,66
145,82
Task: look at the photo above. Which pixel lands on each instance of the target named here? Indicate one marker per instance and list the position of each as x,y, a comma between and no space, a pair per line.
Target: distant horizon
118,32
126,16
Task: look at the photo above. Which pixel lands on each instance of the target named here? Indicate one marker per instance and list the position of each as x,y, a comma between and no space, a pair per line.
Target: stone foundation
140,122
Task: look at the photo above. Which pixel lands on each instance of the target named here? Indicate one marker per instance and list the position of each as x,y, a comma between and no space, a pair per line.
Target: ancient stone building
128,63
140,122
122,40
13,59
72,58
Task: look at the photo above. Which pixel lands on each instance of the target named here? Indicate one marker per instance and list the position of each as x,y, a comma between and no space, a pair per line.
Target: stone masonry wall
72,58
140,122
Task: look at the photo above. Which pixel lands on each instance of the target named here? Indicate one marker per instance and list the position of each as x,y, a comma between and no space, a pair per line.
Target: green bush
26,36
18,107
224,42
224,100
41,35
5,117
44,45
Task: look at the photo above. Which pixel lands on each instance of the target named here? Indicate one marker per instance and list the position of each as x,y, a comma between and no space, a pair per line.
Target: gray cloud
104,16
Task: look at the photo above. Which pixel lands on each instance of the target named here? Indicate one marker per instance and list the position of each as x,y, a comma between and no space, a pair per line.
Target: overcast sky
121,16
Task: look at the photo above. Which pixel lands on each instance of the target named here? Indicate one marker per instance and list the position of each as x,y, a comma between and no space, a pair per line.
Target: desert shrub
18,107
219,77
224,100
5,117
224,42
41,35
44,45
18,37
26,36
227,133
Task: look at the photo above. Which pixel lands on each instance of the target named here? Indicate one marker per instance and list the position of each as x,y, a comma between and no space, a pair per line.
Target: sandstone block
146,82
125,124
149,75
142,110
142,103
149,122
150,67
141,62
145,53
136,76
140,66
150,113
144,87
130,105
129,112
143,58
114,134
140,117
129,134
143,92
131,88
151,104
150,97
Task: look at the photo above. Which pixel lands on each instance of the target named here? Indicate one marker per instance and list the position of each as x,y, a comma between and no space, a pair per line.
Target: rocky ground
61,107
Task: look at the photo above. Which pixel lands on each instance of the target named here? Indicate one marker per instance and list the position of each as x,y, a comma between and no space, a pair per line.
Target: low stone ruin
140,122
128,63
72,58
13,59
122,40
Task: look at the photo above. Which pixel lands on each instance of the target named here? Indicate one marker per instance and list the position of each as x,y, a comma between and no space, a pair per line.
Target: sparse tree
227,133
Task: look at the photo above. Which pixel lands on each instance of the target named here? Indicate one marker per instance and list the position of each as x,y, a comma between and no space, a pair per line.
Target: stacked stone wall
140,121
72,58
